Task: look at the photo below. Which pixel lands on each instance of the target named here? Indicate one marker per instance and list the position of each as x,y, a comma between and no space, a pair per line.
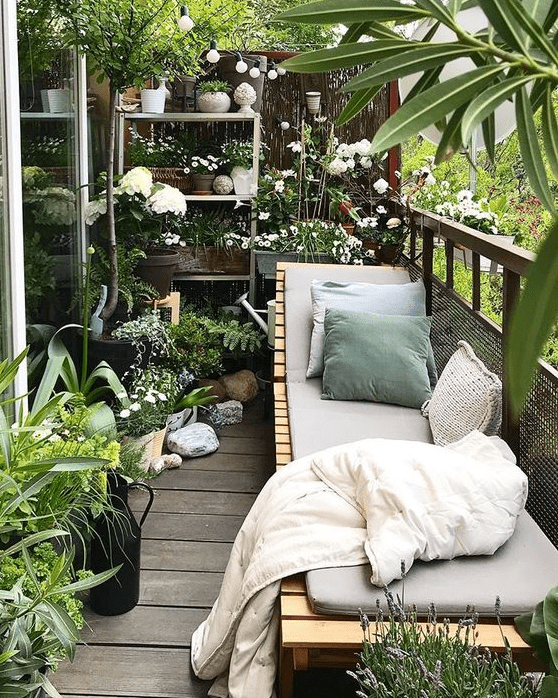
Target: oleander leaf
533,29
356,104
550,131
533,317
530,151
499,17
489,135
432,105
485,103
435,9
350,11
450,140
344,56
407,62
355,32
428,79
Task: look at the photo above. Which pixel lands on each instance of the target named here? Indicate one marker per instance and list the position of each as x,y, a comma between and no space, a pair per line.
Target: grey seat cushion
520,572
316,424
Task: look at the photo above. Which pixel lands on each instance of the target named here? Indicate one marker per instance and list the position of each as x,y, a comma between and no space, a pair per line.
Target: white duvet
383,500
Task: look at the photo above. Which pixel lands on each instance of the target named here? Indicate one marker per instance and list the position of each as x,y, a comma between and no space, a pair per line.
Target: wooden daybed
309,639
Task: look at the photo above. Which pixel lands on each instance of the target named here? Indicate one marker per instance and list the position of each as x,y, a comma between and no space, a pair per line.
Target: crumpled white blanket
376,499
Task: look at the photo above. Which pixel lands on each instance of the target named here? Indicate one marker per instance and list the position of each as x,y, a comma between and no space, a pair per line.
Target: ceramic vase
243,180
153,101
214,102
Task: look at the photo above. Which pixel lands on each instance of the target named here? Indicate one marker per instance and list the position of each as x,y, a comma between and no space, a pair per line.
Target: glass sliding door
12,295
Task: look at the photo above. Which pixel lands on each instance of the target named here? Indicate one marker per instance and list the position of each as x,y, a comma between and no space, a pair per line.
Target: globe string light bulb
255,70
280,70
285,125
241,65
213,55
272,73
185,22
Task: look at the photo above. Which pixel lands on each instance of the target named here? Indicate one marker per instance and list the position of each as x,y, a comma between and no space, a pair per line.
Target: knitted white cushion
467,397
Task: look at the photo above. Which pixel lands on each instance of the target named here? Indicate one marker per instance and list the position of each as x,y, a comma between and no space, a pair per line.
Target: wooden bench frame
310,640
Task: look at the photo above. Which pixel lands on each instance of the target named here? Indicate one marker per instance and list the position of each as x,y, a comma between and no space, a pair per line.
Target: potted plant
148,215
214,241
185,408
204,169
166,156
127,43
240,160
312,240
276,202
214,96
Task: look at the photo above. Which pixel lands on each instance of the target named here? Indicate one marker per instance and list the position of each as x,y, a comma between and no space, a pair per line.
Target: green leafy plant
194,398
215,227
172,150
402,658
540,630
519,48
239,154
214,86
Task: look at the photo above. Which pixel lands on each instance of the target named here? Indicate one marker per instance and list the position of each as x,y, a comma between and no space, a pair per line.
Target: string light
185,22
241,65
272,73
213,55
255,70
281,70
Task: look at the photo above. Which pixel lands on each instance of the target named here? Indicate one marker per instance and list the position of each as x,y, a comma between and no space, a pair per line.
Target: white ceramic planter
177,420
58,101
242,180
214,102
153,101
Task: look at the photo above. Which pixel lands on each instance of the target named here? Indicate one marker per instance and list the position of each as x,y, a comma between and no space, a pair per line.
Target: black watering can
116,541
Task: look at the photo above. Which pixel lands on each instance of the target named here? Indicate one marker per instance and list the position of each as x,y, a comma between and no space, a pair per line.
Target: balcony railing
534,438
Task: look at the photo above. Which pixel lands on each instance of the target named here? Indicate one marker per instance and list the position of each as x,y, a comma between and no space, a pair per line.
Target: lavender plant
402,658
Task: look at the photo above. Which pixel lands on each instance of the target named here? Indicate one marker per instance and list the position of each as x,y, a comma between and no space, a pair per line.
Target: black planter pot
117,541
120,354
158,269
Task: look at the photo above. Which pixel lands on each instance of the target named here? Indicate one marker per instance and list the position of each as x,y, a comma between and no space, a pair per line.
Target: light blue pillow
380,299
381,358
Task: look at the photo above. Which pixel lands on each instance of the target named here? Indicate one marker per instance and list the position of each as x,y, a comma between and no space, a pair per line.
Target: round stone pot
203,183
214,102
158,269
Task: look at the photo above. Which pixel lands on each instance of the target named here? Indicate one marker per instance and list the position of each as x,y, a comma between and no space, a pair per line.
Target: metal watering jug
117,541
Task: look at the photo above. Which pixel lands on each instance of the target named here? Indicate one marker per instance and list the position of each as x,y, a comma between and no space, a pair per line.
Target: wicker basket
173,176
213,260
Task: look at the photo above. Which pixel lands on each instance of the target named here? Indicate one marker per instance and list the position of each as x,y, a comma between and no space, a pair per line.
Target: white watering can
267,327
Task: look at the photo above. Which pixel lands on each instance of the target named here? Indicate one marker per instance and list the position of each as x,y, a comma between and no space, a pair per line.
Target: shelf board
210,276
216,197
46,116
190,116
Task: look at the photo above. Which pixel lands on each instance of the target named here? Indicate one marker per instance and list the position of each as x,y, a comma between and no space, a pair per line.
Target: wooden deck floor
186,541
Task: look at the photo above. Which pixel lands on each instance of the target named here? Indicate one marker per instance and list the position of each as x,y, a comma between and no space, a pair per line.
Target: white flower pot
214,102
58,101
153,101
242,180
177,420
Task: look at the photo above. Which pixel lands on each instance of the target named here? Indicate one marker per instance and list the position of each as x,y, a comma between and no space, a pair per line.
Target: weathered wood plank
182,589
184,555
191,527
257,430
250,446
151,626
214,480
242,462
186,502
130,671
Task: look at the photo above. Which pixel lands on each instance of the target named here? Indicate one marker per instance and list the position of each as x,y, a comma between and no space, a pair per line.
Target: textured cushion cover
379,299
451,584
467,397
381,358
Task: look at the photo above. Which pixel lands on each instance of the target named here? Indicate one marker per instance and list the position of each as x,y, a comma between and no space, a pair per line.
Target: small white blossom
381,186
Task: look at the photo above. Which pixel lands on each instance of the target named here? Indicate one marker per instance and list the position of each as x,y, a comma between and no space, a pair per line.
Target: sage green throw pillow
381,358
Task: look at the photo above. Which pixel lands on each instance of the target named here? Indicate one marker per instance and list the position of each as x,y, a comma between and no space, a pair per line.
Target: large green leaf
450,140
551,17
550,611
532,28
531,628
489,135
351,11
539,9
430,106
486,102
60,623
499,17
550,131
380,31
357,103
436,10
549,687
88,582
344,56
530,151
428,79
533,317
355,32
419,58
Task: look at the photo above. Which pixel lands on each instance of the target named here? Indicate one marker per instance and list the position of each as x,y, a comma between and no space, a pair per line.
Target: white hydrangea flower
95,209
337,166
138,180
167,199
381,186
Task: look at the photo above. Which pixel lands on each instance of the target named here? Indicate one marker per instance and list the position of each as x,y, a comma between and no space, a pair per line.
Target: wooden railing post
510,425
427,264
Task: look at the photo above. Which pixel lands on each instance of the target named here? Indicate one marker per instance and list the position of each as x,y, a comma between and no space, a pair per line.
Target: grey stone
193,440
229,412
241,386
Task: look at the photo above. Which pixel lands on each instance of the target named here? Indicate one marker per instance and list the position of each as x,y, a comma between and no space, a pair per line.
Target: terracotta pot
203,183
158,269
